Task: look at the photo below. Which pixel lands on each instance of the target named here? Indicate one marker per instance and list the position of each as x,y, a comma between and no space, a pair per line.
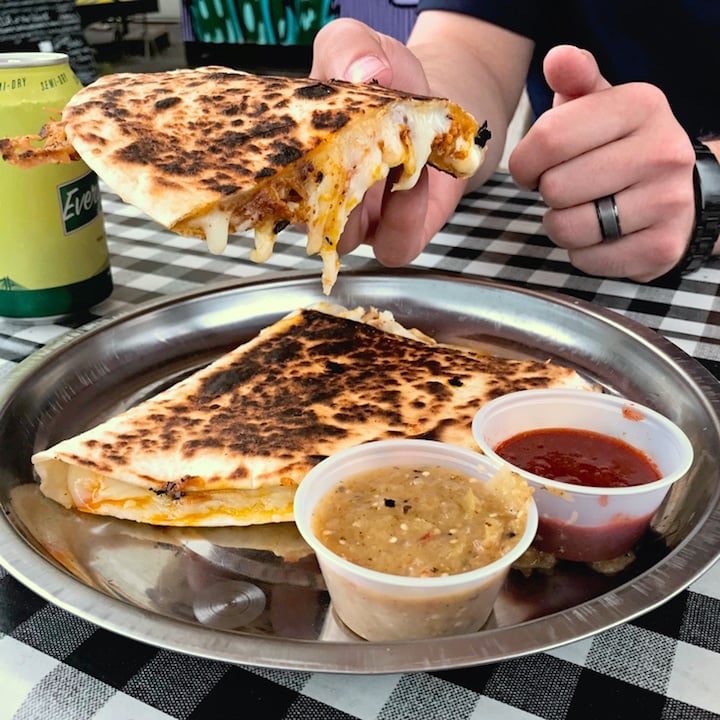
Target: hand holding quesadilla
211,151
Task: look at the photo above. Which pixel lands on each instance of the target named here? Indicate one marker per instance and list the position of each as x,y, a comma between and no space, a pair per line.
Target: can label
79,201
53,249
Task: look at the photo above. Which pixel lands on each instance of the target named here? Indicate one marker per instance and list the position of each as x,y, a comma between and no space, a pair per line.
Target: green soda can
53,248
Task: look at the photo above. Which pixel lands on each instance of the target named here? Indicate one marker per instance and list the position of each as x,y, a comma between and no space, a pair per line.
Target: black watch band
707,210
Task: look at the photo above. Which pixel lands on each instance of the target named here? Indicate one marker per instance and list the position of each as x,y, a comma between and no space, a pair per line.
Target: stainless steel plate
254,595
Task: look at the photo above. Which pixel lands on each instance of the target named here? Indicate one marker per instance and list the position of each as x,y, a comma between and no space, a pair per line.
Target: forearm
455,52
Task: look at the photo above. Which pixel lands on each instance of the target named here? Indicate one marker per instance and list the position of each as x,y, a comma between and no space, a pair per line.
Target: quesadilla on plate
211,151
229,444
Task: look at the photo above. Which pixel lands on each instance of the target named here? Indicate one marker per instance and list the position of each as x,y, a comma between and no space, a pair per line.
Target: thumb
346,49
572,72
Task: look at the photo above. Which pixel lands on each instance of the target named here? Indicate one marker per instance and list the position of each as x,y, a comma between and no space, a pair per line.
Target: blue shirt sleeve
671,44
522,16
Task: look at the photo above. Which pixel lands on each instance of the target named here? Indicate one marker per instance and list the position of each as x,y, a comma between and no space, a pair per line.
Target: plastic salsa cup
578,522
386,607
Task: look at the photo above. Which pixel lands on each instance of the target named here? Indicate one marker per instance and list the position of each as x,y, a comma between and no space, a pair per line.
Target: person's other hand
397,224
599,140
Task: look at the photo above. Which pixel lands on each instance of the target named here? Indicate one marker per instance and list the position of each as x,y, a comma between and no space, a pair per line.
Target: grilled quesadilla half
211,151
229,444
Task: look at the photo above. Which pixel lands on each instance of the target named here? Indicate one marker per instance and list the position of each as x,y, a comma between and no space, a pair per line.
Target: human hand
397,224
599,140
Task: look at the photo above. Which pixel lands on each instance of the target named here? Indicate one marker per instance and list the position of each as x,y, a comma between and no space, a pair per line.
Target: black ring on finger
607,214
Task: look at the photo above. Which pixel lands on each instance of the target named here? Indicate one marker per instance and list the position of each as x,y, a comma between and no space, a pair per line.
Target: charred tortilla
211,151
229,444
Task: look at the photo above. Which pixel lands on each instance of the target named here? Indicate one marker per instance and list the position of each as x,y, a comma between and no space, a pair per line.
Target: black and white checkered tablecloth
665,664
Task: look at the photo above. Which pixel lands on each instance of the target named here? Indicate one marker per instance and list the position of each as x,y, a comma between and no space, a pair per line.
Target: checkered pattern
664,665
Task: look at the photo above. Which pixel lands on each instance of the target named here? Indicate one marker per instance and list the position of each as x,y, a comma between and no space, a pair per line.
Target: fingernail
365,69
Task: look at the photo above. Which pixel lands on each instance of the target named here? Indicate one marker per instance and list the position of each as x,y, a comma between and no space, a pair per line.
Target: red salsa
579,457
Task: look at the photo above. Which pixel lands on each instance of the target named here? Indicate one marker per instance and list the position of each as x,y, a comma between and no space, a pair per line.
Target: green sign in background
260,22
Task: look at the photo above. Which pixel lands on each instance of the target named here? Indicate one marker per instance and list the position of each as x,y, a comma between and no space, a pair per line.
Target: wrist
706,180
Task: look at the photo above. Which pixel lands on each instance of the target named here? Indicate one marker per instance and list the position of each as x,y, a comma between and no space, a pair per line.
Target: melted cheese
264,243
348,165
215,226
92,492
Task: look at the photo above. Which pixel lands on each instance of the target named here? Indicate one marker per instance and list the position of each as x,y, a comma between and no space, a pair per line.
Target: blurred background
104,36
